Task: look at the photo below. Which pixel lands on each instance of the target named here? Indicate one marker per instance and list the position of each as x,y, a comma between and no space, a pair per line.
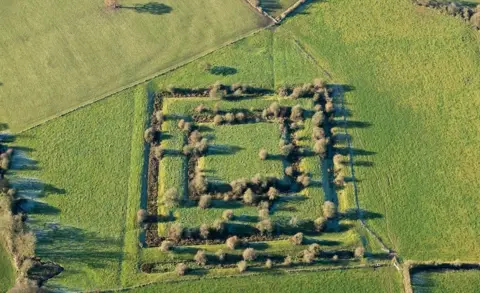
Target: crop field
61,55
447,281
352,123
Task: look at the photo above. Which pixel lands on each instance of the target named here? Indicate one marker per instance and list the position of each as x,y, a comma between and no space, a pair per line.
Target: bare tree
227,215
171,198
242,266
205,201
232,242
268,264
204,231
359,252
166,246
181,269
112,4
329,209
141,216
200,258
249,254
297,239
320,224
263,154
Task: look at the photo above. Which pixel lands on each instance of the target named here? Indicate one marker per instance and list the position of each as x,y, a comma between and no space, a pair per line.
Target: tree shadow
224,149
223,70
150,7
354,214
270,6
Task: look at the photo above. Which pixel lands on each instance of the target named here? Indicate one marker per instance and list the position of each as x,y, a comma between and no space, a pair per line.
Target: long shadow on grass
151,8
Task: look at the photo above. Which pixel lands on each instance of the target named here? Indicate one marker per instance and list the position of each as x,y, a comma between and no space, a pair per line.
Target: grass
62,55
357,280
81,182
446,281
7,271
414,97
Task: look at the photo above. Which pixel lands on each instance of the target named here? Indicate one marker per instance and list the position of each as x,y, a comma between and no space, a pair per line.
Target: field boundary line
276,272
146,79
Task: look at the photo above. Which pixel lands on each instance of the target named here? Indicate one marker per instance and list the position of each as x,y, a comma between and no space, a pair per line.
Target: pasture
446,281
7,272
58,56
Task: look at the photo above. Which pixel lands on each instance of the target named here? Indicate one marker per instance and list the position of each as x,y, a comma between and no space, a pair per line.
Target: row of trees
471,15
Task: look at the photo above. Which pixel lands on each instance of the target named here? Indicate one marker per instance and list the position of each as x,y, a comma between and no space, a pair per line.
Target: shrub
171,198
263,154
195,136
216,108
297,113
238,186
227,215
319,83
111,3
287,150
242,266
329,209
318,133
304,179
249,254
308,256
320,224
296,93
187,127
141,216
232,242
221,255
317,119
200,258
359,252
219,225
175,232
268,264
240,116
287,261
283,91
149,135
166,246
187,150
315,249
249,197
181,124
204,231
181,269
320,147
218,119
272,193
335,257
339,180
338,160
289,171
297,239
265,226
317,108
329,107
200,108
205,201
263,213
475,19
274,108
229,118
158,152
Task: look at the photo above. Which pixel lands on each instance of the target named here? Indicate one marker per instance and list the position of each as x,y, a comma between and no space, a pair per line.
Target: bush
268,264
219,226
329,209
320,224
318,108
200,108
318,133
272,193
111,3
304,179
339,180
204,231
287,261
187,127
221,255
181,124
205,201
297,239
238,186
149,135
141,216
200,258
229,118
202,146
319,83
263,213
274,108
232,242
24,244
195,136
297,92
308,257
282,91
158,152
240,117
166,246
181,269
265,226
297,113
315,248
359,252
218,119
320,147
249,197
263,154
242,266
287,150
171,198
289,171
475,20
317,119
227,215
175,232
329,107
249,254
187,150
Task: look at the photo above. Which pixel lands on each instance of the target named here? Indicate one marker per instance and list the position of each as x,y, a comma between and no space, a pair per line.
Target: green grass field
416,74
357,280
446,281
83,178
61,55
7,272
